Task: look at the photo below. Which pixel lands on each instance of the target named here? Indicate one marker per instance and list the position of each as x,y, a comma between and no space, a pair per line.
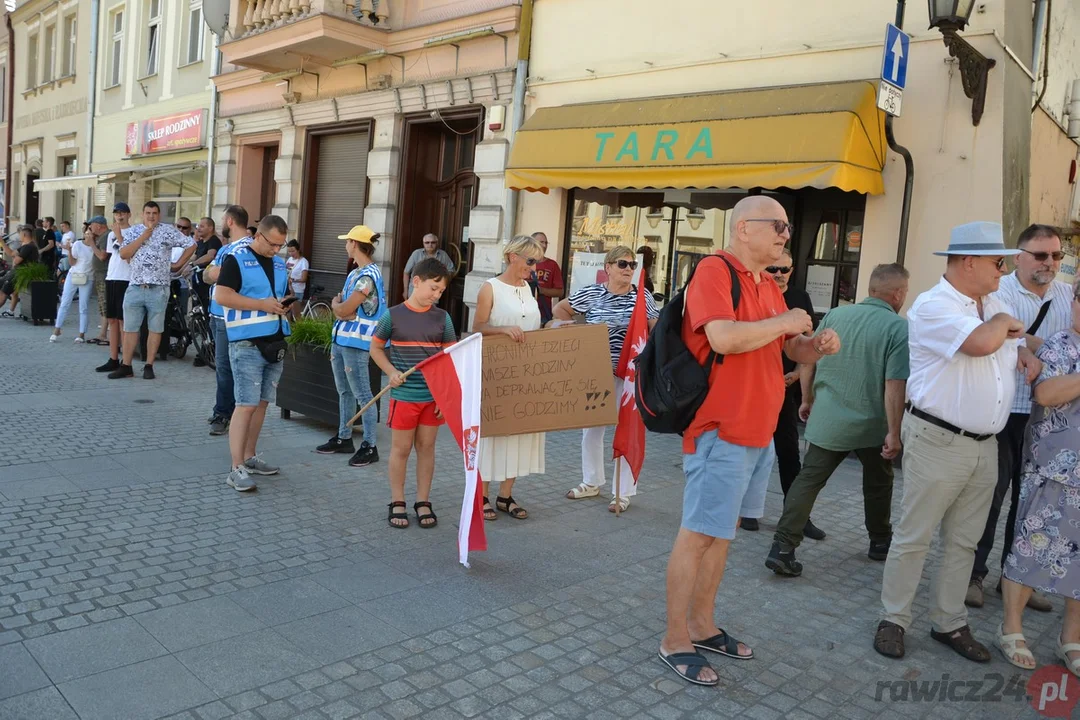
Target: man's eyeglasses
778,225
774,269
1058,255
276,246
183,228
623,264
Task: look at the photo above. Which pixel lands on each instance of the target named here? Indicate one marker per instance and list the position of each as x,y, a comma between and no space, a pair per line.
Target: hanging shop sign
174,133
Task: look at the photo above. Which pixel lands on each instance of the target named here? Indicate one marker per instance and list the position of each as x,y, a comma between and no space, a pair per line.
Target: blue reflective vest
357,333
215,309
248,324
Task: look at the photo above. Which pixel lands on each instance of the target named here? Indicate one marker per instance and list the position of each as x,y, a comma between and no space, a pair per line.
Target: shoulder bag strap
1039,319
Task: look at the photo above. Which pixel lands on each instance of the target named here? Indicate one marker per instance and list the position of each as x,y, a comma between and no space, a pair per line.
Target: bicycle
202,336
179,331
316,309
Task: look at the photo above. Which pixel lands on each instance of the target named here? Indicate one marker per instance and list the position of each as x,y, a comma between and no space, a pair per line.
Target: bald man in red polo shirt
727,450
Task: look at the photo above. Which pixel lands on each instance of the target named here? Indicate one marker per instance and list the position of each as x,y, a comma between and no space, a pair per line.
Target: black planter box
43,301
307,385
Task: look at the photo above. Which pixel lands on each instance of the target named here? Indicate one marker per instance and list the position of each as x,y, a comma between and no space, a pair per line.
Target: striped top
1026,305
600,306
410,336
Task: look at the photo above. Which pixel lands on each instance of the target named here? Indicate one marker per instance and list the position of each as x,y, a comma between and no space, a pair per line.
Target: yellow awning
821,136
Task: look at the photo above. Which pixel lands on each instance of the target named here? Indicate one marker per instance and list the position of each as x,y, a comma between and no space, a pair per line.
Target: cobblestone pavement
135,584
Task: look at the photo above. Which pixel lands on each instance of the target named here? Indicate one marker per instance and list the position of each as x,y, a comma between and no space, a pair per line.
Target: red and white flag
453,376
629,442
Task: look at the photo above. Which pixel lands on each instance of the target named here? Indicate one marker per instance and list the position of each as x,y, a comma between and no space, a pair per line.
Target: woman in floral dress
1045,554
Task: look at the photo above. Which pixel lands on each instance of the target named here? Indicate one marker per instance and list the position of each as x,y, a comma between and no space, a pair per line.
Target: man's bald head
755,206
759,231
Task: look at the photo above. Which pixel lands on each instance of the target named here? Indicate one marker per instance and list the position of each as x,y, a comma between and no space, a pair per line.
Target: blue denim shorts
145,302
723,483
254,379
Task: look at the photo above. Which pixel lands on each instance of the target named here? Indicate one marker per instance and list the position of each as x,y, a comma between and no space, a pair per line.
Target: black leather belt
944,425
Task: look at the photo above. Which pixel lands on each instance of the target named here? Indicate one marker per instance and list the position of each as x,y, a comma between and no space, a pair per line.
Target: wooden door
454,202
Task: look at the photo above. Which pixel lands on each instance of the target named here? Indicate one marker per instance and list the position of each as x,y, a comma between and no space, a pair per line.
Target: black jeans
1010,455
786,438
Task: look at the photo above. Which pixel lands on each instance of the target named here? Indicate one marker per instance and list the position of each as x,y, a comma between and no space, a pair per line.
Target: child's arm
378,354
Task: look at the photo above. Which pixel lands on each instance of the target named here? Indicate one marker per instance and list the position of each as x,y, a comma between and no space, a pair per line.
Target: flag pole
618,505
382,392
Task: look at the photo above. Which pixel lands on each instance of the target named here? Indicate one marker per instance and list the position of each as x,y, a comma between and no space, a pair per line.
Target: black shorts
114,299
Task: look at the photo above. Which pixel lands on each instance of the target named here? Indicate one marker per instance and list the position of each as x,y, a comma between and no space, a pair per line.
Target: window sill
147,77
111,87
189,64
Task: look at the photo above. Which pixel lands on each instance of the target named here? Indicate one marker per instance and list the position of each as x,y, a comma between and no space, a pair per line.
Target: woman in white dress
506,306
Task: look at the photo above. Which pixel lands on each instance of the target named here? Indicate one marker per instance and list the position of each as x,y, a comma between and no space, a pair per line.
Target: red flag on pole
629,440
453,376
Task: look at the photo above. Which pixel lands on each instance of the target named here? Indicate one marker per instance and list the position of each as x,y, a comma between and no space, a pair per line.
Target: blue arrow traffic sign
895,59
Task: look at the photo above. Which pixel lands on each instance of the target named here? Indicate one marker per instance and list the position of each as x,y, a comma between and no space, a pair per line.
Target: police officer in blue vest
357,310
250,286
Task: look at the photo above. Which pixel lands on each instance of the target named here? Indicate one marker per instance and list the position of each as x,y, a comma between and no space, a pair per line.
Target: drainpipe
521,73
909,164
215,67
91,103
1040,37
10,120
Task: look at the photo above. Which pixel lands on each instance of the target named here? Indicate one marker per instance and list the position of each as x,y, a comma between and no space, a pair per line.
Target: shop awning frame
823,136
70,182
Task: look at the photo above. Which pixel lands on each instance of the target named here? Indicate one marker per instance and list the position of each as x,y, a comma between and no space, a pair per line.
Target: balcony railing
260,15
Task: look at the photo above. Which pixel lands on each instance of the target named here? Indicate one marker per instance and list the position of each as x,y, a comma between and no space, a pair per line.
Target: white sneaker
79,341
54,337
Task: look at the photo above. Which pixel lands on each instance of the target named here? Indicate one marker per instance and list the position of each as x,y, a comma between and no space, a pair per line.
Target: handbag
273,351
78,278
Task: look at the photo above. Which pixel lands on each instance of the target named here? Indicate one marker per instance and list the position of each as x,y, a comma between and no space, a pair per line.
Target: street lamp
950,17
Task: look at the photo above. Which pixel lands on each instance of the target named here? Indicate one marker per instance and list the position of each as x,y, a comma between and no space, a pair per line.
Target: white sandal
1008,646
583,491
624,502
1063,653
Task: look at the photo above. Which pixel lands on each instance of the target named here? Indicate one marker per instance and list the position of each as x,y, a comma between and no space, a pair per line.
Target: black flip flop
695,662
97,341
723,644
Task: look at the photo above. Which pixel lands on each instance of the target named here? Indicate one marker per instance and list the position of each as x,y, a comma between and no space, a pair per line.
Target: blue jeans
226,402
147,302
350,367
255,379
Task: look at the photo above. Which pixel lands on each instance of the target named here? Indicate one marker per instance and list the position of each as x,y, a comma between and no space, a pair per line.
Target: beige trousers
948,481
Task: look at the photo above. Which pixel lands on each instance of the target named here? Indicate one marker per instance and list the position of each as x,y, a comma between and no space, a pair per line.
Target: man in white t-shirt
116,282
67,239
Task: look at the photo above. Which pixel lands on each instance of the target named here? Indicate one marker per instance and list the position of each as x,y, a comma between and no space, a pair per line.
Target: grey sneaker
254,464
219,427
240,480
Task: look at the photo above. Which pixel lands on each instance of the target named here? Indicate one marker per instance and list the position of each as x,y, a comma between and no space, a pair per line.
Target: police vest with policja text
249,324
357,333
215,309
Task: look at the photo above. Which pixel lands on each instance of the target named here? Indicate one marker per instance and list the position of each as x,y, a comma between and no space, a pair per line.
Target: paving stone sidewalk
134,584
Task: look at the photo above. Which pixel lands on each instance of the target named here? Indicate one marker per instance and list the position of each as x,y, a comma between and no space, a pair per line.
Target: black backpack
670,383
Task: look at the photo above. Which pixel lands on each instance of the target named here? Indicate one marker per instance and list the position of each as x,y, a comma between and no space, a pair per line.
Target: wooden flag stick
618,505
382,392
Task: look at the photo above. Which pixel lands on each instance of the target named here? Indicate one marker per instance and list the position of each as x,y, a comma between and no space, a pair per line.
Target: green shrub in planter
27,273
314,332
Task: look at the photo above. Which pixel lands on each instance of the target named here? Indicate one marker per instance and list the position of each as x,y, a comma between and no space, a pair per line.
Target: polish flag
629,442
453,376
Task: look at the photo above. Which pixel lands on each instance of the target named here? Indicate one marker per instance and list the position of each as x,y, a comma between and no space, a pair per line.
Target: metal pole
909,165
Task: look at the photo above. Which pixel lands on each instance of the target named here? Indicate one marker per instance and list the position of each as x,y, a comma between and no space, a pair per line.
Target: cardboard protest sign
557,379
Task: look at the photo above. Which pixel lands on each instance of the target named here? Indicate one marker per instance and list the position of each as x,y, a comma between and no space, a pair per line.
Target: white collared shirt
1026,305
973,393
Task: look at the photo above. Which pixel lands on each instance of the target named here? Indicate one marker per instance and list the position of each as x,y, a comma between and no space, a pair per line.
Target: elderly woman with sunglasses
610,303
506,305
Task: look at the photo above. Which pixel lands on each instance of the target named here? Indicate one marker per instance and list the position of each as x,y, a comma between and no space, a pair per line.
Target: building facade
648,133
152,105
51,126
382,112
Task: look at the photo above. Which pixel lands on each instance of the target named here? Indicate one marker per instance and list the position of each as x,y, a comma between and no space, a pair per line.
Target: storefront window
833,273
180,195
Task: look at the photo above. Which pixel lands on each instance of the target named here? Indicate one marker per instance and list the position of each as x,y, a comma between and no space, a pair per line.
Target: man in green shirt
857,398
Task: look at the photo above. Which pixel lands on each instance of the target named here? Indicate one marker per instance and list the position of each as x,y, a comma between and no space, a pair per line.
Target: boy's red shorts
404,415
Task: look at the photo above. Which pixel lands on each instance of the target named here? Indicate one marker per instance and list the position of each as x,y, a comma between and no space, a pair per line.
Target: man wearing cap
117,276
966,346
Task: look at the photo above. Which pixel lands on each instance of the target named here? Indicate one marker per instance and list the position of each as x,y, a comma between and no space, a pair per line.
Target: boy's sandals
509,506
1008,644
1063,652
428,520
489,512
398,516
624,502
583,491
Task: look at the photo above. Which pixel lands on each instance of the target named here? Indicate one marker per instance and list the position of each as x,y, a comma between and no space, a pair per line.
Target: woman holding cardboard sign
506,306
612,304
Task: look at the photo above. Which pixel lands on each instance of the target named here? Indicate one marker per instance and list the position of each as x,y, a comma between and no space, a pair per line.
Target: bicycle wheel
202,338
319,311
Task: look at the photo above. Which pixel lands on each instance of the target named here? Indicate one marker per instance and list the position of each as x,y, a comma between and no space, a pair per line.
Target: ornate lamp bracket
974,70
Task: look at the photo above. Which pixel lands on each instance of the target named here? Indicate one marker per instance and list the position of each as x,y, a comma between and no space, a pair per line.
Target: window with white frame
195,31
48,60
153,36
70,37
116,48
32,62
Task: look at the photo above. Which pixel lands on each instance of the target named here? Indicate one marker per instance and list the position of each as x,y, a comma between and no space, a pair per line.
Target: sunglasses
1044,256
778,225
774,269
183,227
530,261
623,264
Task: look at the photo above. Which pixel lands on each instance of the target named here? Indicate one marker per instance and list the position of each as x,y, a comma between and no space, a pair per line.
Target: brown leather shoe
964,643
889,639
974,597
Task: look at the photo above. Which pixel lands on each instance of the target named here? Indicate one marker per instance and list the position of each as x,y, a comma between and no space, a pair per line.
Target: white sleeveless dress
514,456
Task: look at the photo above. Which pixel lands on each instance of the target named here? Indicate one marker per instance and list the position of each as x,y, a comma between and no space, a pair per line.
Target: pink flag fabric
453,376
